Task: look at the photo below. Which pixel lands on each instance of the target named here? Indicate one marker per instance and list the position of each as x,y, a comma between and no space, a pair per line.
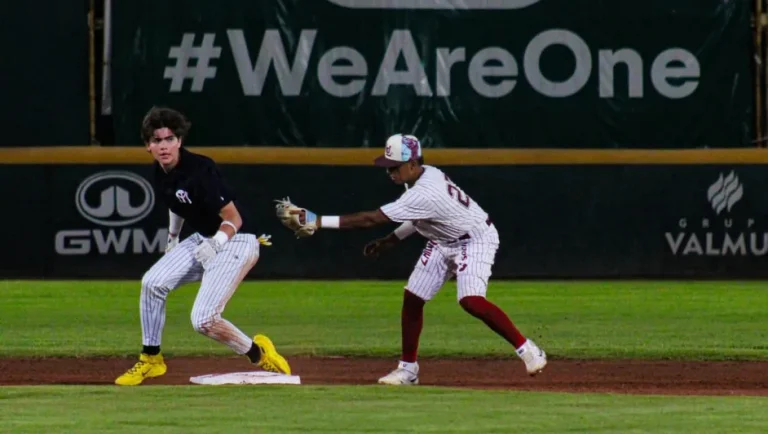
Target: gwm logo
111,193
725,192
737,234
113,201
435,4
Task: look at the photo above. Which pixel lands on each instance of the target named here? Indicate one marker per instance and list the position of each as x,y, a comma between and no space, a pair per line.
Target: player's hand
378,246
206,251
173,241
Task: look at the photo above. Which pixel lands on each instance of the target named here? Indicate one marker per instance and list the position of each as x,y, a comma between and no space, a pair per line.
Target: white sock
523,348
410,367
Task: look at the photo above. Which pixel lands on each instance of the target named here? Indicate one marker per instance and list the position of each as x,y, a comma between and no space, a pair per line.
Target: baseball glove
301,221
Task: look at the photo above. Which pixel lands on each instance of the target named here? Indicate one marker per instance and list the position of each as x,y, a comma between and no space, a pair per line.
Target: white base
253,377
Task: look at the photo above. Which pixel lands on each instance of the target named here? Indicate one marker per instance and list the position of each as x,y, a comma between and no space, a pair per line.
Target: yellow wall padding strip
365,156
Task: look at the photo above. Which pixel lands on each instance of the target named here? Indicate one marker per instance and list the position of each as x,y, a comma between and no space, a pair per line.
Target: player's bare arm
305,222
175,223
231,219
363,219
403,165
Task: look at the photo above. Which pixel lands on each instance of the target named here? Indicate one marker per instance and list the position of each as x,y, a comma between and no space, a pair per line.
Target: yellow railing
365,156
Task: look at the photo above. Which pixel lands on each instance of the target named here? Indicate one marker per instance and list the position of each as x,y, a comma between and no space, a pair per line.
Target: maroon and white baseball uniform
462,241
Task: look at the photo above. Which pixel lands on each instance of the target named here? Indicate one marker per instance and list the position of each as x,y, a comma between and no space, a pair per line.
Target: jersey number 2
456,193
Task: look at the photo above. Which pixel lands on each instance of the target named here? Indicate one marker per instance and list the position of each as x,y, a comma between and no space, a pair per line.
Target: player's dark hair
164,117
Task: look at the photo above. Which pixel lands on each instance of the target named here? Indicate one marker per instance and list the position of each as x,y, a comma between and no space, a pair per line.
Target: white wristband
230,224
330,221
405,230
221,237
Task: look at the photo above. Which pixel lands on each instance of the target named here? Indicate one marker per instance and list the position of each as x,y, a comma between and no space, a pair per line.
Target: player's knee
203,322
471,286
152,284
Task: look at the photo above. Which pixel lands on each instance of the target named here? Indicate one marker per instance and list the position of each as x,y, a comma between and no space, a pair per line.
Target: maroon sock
493,317
411,321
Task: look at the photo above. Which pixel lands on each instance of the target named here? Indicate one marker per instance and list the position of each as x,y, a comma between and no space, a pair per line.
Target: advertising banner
553,221
505,73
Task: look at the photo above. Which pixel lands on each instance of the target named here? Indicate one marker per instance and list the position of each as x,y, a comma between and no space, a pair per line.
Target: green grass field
364,409
713,320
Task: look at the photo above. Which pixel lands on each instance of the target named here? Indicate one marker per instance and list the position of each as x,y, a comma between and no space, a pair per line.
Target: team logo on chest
183,196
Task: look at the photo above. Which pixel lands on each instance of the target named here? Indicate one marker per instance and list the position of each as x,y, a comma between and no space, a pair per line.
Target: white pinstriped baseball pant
470,261
218,283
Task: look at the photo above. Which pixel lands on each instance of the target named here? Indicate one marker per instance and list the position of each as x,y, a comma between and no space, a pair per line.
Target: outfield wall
89,213
44,81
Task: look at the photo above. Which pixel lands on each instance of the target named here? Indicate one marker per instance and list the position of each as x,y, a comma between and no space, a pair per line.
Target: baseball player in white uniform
219,253
461,241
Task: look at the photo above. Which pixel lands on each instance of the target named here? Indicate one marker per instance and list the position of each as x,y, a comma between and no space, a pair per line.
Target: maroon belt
466,236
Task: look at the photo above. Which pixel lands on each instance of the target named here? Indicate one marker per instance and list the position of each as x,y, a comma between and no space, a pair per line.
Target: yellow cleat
147,367
270,359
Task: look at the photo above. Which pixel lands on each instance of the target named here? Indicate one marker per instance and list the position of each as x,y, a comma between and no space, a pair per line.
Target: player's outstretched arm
305,222
364,219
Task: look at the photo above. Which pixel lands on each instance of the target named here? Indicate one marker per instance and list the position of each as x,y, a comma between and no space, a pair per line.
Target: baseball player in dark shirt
219,253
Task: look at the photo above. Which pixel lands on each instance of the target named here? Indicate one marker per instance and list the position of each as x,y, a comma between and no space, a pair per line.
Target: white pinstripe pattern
439,209
172,270
443,213
474,260
430,273
219,282
470,261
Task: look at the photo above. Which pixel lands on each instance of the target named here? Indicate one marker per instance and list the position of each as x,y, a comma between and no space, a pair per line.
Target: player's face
405,173
164,146
396,174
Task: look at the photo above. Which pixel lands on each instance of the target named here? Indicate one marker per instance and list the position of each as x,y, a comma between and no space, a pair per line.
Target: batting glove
206,251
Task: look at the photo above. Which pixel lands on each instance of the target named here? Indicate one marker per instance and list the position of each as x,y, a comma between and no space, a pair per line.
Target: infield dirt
615,376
